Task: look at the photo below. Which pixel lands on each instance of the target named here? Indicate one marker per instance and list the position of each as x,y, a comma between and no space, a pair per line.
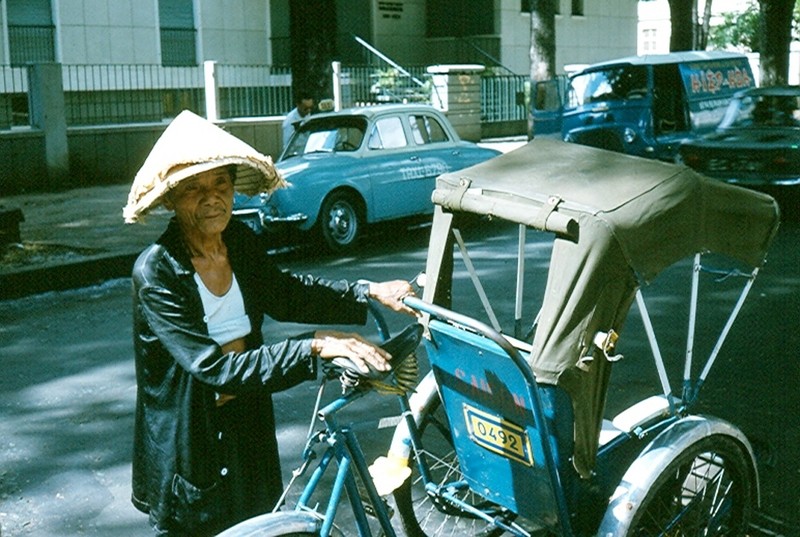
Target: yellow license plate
498,435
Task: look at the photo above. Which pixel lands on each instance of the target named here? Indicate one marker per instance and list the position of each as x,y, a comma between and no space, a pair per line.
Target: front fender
665,448
310,184
280,523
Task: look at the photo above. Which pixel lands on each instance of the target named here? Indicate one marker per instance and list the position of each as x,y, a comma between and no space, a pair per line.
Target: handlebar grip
399,346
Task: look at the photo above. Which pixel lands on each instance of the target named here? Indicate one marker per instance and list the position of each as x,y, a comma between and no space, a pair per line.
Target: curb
65,276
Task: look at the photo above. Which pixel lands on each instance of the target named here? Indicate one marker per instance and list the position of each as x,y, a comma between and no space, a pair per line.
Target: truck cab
645,105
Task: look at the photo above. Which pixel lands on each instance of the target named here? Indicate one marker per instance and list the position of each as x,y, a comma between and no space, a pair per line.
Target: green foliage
737,30
741,30
390,85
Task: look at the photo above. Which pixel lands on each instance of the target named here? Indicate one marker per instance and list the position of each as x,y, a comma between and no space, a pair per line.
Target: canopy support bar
724,334
651,336
475,281
687,370
520,281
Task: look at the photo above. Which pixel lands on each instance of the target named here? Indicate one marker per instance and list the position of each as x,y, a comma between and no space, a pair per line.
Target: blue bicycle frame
343,447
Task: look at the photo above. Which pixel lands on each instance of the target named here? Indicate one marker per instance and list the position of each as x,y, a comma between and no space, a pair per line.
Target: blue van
642,105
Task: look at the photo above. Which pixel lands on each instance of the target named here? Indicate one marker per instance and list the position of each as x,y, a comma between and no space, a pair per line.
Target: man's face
305,106
203,203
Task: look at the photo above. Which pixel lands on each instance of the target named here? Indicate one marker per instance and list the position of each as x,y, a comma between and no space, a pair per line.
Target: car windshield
758,111
612,84
326,135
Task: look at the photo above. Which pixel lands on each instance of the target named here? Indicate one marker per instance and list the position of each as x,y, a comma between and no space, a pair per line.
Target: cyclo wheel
706,490
422,515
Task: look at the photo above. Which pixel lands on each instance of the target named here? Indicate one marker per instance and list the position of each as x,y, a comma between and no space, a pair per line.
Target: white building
161,32
411,32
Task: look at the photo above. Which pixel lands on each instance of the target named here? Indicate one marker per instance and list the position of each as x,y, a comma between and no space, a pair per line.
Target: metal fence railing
13,97
362,85
254,90
503,98
28,44
112,94
120,94
178,47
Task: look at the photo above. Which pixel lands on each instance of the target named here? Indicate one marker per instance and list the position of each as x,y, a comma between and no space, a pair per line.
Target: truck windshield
611,84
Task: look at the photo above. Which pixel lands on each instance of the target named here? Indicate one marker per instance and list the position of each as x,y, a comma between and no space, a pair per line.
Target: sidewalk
73,239
77,237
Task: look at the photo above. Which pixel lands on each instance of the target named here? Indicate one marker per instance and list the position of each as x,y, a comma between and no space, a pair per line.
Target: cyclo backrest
495,417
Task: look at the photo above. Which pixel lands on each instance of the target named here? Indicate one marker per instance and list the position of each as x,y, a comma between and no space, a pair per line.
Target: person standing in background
304,104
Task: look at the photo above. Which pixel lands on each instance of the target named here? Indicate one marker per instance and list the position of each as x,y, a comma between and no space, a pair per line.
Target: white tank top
224,314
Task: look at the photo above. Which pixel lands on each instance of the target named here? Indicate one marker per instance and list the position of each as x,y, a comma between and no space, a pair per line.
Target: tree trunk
543,40
683,24
776,37
312,31
702,42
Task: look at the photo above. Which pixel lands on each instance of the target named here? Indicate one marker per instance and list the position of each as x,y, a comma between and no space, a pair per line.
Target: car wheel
340,221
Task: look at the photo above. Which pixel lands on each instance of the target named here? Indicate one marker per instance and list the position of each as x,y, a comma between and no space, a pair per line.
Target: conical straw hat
191,145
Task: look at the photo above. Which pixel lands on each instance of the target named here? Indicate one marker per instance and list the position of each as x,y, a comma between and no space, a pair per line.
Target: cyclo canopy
619,220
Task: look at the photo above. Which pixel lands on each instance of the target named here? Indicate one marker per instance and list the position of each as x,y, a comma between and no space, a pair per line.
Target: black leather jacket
197,467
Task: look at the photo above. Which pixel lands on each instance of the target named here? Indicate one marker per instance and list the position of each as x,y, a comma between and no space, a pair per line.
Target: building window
577,7
31,34
178,35
649,40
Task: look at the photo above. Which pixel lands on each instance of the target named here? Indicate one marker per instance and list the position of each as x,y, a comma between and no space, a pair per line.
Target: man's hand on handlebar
329,344
391,295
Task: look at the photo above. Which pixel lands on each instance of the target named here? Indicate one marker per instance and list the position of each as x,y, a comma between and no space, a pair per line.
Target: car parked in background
757,143
355,167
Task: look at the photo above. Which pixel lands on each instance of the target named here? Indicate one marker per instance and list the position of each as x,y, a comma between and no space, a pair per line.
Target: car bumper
257,220
758,182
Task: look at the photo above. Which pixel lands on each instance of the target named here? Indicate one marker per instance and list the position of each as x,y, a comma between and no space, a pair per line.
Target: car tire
341,221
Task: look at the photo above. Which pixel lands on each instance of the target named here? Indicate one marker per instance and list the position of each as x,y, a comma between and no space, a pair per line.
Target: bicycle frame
343,447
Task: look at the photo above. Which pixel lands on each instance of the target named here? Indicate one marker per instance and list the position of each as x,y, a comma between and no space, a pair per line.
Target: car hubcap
341,223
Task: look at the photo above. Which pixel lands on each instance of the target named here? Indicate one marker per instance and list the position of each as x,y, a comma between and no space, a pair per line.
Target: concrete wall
233,35
22,164
606,30
106,155
106,31
399,30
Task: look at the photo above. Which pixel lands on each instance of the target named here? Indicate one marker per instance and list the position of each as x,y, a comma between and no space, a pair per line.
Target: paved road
67,387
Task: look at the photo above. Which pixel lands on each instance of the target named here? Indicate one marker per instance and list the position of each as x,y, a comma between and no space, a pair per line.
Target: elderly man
205,452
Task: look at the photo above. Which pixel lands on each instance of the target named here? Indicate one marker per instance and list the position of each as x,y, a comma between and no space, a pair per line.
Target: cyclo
506,435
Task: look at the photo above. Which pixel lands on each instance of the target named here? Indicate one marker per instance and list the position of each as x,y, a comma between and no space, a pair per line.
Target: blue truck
641,105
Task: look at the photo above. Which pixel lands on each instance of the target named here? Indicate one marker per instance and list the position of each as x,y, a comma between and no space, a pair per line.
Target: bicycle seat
399,346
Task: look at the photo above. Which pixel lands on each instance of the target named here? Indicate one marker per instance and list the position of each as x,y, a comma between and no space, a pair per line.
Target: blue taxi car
352,168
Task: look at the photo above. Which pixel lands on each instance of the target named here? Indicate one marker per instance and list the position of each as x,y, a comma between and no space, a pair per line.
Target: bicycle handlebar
399,347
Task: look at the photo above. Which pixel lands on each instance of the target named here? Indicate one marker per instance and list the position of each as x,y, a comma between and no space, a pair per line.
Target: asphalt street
68,387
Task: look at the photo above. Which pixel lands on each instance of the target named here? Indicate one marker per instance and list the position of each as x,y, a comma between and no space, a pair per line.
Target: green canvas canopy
619,220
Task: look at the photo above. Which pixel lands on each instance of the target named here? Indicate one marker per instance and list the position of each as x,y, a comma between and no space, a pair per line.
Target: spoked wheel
707,490
423,515
340,221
